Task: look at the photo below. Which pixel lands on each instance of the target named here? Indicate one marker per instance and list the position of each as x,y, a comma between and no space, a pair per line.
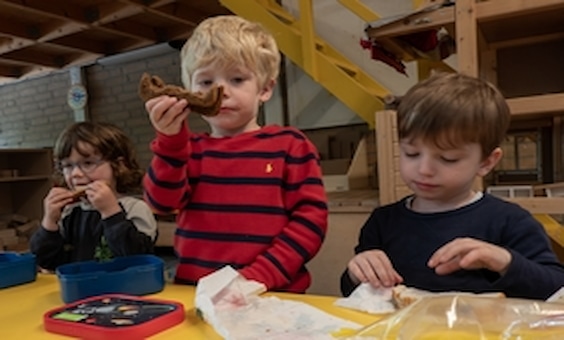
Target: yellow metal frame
555,231
360,10
297,40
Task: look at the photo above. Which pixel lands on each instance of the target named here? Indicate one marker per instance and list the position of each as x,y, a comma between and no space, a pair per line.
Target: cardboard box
345,174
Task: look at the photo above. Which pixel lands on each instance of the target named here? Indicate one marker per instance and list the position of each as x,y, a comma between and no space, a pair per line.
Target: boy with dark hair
447,236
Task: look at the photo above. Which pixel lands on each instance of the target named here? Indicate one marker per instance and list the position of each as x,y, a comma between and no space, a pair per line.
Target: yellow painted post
308,38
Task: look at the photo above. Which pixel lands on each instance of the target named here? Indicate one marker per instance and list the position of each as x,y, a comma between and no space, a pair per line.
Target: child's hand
373,266
102,197
167,114
469,253
53,205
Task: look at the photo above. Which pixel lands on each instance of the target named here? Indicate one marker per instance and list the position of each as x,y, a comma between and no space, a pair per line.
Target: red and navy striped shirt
254,201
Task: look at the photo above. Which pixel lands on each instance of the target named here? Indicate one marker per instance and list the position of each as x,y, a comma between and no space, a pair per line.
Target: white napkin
557,297
223,289
369,299
232,305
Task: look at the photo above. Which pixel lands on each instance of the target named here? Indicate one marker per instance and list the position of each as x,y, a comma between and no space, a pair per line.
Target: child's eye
205,83
88,163
238,80
449,160
411,154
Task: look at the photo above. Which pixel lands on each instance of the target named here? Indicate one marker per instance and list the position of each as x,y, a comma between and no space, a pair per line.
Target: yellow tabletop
22,308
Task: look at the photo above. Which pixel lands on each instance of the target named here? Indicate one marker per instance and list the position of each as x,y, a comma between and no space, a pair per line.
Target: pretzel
207,104
79,191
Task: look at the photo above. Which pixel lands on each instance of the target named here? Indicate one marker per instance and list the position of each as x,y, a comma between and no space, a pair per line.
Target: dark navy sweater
410,238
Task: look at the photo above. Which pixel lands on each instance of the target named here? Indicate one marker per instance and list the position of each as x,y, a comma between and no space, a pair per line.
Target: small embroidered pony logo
269,168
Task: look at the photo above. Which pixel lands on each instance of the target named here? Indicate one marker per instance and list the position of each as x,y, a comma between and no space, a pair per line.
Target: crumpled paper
557,297
232,305
368,299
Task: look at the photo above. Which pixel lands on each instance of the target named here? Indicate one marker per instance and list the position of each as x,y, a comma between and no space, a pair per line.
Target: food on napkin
387,300
404,296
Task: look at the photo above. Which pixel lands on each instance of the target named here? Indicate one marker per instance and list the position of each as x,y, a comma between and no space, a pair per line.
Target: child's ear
267,90
490,162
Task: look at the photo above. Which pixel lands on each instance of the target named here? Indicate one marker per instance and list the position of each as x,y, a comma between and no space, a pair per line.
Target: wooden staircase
298,41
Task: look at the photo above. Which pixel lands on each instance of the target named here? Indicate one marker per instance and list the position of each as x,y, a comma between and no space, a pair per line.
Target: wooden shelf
23,179
23,194
542,104
492,32
503,23
414,23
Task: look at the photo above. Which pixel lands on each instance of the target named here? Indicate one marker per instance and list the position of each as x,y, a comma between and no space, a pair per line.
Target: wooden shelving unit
482,30
26,177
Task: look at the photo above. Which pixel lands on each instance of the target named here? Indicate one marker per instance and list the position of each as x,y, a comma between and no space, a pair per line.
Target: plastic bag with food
467,317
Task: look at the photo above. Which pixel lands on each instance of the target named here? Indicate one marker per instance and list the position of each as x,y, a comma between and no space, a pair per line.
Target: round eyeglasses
84,166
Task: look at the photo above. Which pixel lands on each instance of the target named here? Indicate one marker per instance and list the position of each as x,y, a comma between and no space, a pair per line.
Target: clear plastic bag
467,317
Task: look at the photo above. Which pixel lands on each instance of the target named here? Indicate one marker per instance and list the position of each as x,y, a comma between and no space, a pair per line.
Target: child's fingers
387,275
448,252
449,266
375,267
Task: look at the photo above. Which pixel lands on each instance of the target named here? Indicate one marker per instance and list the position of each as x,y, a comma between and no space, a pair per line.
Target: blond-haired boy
247,196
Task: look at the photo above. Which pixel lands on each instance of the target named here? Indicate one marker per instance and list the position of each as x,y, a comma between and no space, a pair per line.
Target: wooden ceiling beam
135,30
114,11
76,43
30,57
55,9
11,71
15,44
69,32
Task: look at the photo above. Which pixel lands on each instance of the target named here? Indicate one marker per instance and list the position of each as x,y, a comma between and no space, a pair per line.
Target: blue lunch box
16,269
133,275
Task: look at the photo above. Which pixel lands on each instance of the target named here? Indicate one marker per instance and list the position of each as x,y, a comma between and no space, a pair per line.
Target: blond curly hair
231,40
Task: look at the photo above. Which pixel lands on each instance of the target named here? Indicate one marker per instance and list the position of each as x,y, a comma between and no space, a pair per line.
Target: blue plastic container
133,275
16,269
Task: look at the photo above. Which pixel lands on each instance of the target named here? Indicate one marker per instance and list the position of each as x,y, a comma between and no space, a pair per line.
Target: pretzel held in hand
78,192
207,104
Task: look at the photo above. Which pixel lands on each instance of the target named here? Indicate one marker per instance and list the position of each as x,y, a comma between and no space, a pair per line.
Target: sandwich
207,104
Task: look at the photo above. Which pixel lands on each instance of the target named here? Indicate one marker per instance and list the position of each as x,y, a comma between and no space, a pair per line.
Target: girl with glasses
97,159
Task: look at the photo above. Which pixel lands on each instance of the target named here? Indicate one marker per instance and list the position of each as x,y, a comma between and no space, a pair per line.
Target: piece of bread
403,296
207,104
79,191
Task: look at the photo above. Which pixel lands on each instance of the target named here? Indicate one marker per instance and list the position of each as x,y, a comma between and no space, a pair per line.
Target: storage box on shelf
344,174
25,179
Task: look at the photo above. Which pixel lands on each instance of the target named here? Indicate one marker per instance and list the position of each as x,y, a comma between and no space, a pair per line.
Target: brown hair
228,39
450,109
111,143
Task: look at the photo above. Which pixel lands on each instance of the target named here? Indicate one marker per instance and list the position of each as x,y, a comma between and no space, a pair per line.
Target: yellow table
22,308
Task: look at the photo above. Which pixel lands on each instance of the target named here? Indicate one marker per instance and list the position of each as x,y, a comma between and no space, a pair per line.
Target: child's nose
76,171
226,89
426,166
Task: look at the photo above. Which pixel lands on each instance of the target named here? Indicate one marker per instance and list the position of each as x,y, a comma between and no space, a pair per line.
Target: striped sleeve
165,184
